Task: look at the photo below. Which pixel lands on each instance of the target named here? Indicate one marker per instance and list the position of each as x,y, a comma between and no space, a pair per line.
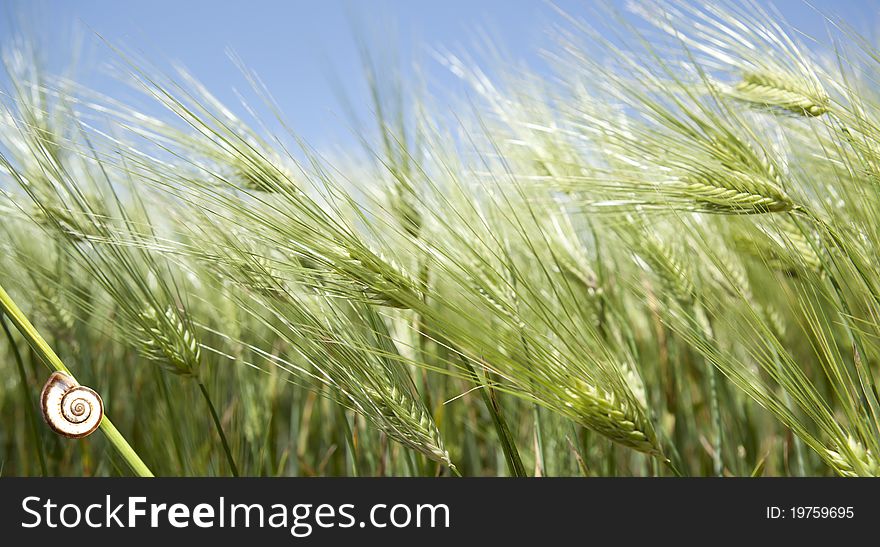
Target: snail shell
70,409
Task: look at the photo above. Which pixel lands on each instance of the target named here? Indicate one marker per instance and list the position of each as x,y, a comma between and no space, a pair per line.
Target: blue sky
297,47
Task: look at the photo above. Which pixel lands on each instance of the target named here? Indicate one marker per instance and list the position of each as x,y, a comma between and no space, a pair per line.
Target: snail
70,409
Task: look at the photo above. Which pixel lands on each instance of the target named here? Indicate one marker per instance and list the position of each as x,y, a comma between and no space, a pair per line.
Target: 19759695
810,512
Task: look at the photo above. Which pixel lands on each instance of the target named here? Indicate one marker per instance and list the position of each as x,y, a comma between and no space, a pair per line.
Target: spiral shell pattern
70,409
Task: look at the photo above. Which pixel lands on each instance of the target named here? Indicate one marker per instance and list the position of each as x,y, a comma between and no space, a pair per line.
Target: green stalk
163,387
514,462
219,428
32,418
538,435
30,333
411,465
540,470
715,412
349,441
704,331
797,443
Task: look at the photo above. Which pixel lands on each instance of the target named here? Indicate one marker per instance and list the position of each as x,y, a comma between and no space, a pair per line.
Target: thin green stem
797,443
536,417
29,403
411,464
349,441
30,333
511,454
715,412
172,413
702,327
539,441
219,427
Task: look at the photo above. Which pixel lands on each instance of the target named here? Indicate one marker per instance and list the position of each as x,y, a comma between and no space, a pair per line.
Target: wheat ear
782,92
